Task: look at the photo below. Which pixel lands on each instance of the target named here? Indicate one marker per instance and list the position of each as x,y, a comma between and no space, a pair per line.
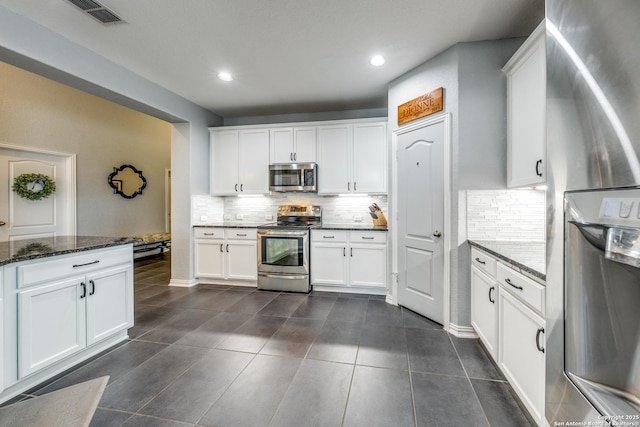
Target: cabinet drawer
39,271
368,237
208,233
484,262
530,292
241,233
328,236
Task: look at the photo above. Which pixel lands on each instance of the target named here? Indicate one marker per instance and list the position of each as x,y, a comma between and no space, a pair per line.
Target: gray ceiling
286,55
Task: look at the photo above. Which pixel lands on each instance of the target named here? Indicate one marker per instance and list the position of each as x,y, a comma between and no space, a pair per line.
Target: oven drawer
328,236
517,284
241,233
368,237
208,233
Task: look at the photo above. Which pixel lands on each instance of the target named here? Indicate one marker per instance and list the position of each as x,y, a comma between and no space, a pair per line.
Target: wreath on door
34,186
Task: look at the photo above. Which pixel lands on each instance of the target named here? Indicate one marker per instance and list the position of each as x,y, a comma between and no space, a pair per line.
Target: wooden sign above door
421,106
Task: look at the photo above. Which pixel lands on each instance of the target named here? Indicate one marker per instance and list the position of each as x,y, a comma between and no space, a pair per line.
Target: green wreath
34,186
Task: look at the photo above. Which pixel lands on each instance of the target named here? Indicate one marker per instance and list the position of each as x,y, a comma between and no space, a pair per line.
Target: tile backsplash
335,209
517,215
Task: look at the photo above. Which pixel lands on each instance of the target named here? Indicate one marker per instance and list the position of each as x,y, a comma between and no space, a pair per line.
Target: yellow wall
41,113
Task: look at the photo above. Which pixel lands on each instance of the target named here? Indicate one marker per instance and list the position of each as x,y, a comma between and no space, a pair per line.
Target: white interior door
51,216
421,220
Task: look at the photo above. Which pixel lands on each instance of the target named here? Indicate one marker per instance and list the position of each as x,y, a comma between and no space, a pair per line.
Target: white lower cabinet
349,260
65,316
51,324
484,310
521,355
507,311
226,253
61,310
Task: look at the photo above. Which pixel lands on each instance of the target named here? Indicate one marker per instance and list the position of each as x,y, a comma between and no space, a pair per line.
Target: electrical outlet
239,216
357,218
203,218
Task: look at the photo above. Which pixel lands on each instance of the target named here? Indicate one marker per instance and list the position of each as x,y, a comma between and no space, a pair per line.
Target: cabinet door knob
295,156
84,290
93,287
437,233
241,185
540,332
227,247
354,186
479,261
236,188
291,156
221,245
344,251
2,223
491,289
348,186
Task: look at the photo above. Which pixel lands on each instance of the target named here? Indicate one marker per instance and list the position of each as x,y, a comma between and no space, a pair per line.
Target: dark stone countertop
528,257
28,249
233,224
354,227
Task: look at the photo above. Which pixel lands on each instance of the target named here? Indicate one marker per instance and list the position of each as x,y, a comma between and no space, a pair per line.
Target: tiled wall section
335,209
209,208
506,215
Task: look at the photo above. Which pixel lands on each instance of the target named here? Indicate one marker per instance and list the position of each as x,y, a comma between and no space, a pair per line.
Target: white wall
30,46
39,113
475,97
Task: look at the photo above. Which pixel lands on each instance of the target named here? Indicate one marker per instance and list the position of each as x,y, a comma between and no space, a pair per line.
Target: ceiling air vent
97,10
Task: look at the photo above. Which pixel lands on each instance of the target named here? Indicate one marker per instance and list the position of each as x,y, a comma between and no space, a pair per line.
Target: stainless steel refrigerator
593,213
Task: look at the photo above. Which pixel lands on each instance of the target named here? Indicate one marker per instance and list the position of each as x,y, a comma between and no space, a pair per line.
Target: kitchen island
63,300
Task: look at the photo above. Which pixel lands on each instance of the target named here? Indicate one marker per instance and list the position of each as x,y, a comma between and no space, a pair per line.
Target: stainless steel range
283,249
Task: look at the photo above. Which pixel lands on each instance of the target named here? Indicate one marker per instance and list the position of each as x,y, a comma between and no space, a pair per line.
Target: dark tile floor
228,356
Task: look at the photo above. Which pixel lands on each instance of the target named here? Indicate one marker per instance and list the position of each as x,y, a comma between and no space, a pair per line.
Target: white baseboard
183,283
389,300
462,331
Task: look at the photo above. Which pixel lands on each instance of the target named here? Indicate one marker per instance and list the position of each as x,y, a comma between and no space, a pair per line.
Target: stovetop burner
297,216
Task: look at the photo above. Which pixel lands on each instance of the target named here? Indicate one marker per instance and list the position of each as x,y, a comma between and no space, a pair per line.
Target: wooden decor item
421,106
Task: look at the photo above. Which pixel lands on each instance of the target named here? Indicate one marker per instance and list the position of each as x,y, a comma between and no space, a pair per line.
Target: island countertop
28,249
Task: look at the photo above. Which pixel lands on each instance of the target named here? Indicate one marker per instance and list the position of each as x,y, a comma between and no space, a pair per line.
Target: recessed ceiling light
377,60
225,76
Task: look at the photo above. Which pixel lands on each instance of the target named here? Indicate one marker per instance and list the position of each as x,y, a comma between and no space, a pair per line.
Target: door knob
2,223
437,233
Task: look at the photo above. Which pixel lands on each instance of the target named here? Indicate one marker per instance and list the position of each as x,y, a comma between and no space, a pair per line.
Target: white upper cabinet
254,161
333,159
224,162
526,110
352,158
239,162
293,145
370,158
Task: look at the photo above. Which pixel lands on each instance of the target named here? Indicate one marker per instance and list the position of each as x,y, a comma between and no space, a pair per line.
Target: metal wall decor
127,181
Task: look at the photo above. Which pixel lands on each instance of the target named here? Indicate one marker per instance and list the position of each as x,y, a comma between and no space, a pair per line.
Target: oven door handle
282,233
283,276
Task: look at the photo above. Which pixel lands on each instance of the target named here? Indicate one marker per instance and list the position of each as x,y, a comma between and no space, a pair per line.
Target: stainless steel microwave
302,177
